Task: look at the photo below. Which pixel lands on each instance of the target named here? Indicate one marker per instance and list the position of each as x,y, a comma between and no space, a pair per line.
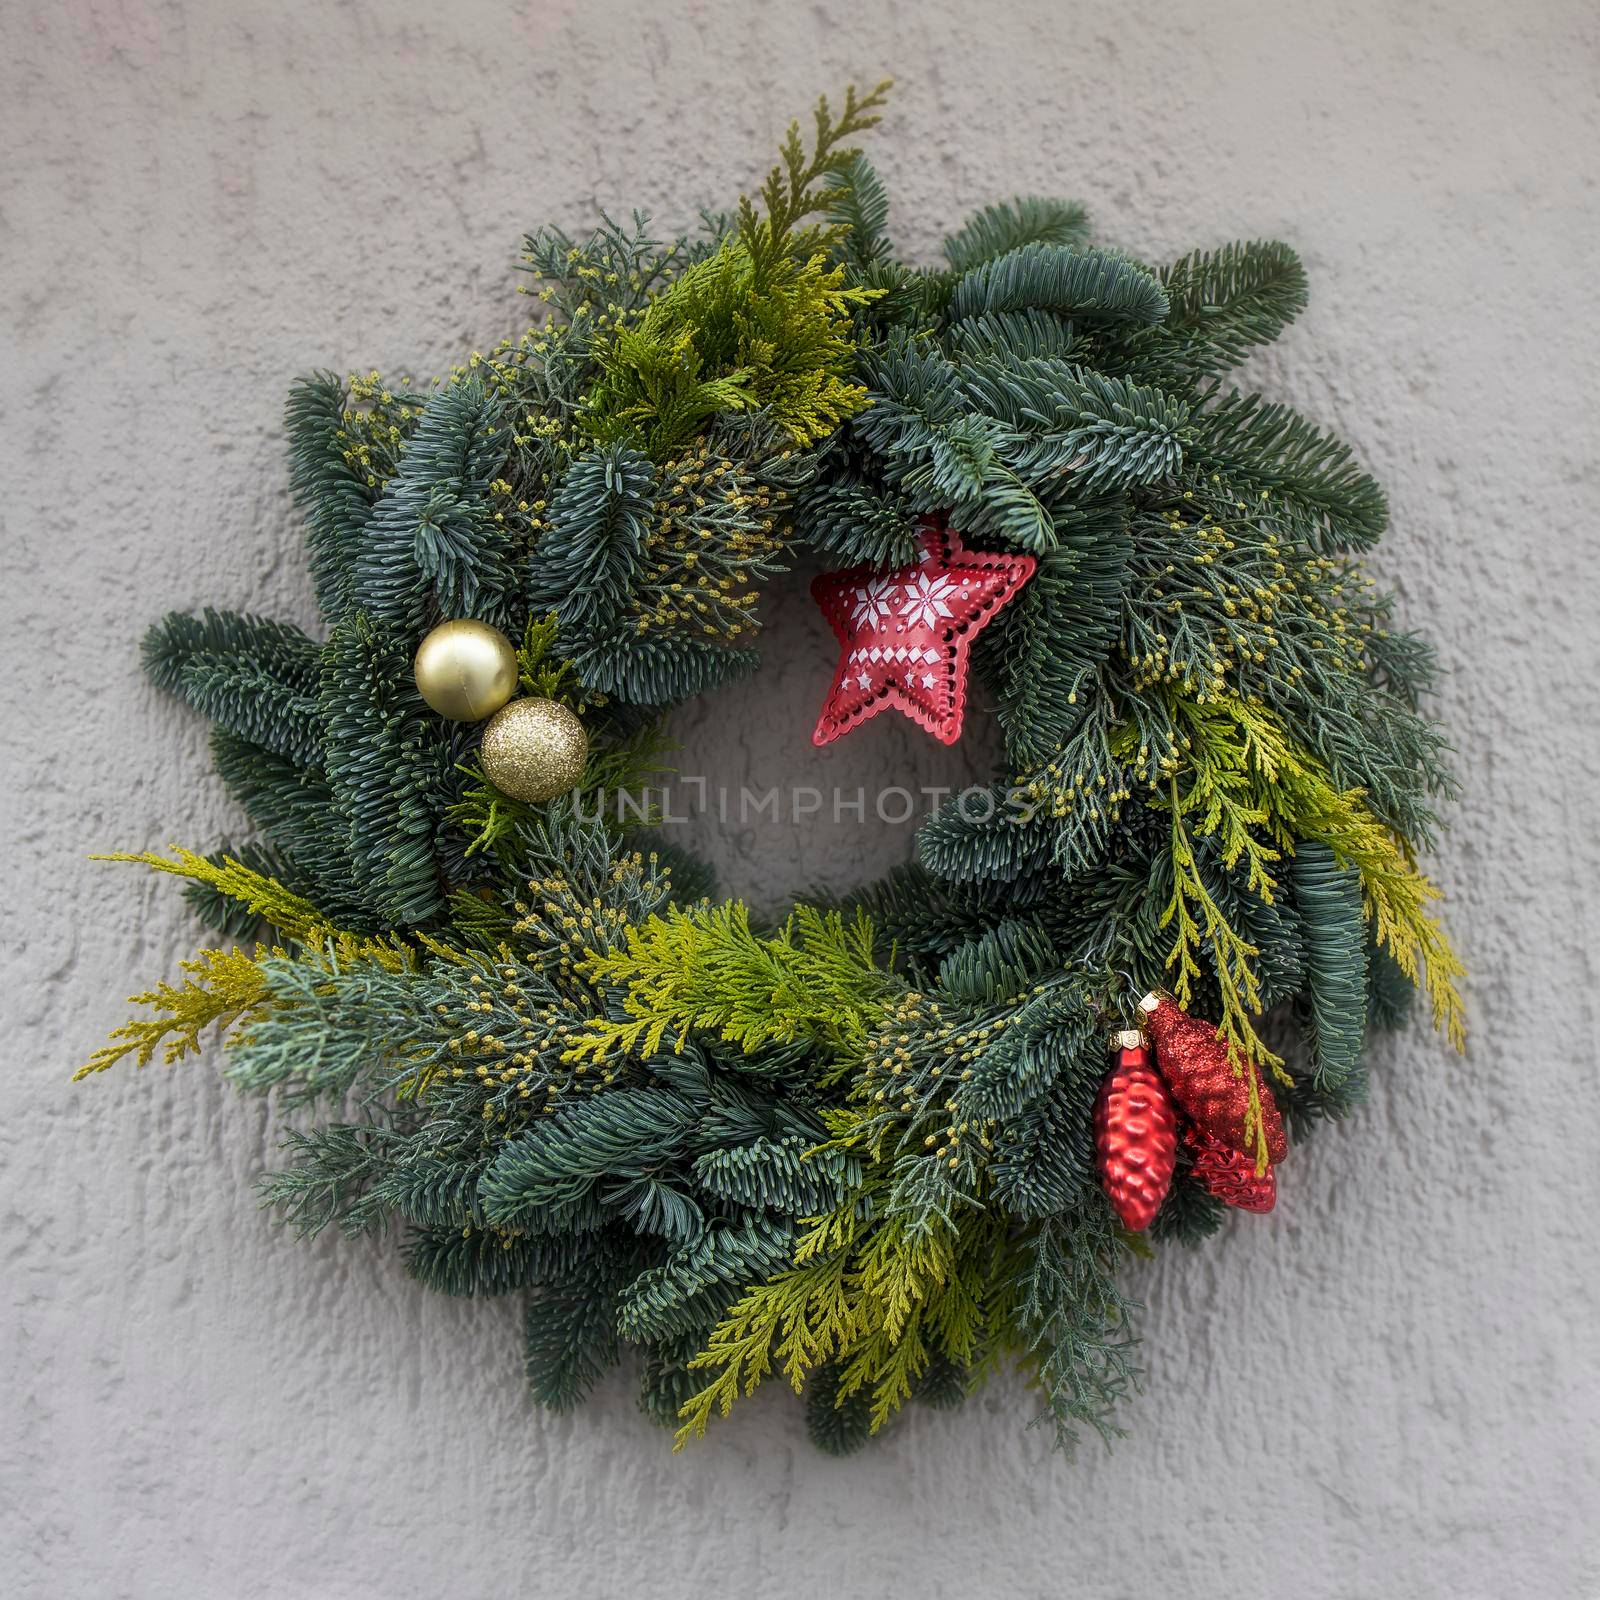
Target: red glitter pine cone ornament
1229,1174
1198,1070
1135,1134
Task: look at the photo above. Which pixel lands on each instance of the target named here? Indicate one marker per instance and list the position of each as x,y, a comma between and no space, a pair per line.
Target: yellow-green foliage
726,336
867,1297
1232,773
546,675
221,986
291,914
227,986
795,187
887,1279
763,323
816,979
877,1285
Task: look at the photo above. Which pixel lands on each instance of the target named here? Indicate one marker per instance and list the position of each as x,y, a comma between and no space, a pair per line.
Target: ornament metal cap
1129,1039
1150,1002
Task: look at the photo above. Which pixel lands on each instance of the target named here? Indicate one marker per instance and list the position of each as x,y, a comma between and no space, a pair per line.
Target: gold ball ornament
465,670
534,750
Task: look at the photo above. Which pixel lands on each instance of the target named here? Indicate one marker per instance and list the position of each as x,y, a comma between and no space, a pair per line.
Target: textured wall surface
1389,1388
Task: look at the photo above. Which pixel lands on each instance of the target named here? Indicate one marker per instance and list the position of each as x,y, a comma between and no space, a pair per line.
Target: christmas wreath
892,1142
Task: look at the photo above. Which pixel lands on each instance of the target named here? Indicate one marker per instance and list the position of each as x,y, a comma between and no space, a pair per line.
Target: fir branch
429,1191
691,1289
982,835
1311,479
858,205
254,677
250,700
789,1175
1095,284
858,523
436,544
1190,1214
470,1262
234,638
1008,225
1102,430
1045,1163
558,1160
333,493
295,810
569,1323
1000,965
1389,991
1334,935
1016,336
387,771
838,1424
588,557
659,672
1044,648
1222,304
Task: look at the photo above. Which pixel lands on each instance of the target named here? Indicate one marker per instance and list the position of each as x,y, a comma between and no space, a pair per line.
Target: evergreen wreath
874,1146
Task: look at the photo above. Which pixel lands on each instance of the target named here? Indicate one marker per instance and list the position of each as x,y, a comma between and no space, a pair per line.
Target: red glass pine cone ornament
1135,1133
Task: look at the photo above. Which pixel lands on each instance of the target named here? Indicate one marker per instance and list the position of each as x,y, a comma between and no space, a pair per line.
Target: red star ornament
904,635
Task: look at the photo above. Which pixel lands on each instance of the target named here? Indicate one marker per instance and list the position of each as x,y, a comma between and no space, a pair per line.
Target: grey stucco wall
1387,1389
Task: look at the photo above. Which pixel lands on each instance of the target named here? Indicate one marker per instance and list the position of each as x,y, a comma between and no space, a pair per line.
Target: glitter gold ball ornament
1200,1073
534,750
1135,1133
466,670
1230,1175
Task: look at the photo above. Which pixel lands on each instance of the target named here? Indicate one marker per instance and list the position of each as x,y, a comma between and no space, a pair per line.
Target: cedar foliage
852,1150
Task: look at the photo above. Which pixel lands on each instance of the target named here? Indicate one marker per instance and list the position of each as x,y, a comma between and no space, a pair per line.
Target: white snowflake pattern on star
873,603
863,680
926,600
